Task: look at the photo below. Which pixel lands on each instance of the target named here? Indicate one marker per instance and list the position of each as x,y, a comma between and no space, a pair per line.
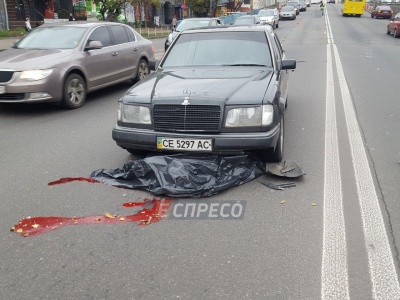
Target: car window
100,34
287,8
265,13
55,37
277,47
214,23
119,34
219,48
190,24
131,35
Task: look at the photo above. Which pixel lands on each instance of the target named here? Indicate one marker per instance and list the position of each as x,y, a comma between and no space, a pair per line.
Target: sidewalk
6,43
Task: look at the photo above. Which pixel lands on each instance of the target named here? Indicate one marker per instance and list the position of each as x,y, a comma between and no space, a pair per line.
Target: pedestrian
174,23
28,26
321,6
71,17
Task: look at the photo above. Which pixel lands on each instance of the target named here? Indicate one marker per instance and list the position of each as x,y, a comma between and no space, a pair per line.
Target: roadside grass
16,32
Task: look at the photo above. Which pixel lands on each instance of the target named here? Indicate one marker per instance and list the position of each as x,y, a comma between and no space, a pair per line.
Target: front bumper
223,143
48,89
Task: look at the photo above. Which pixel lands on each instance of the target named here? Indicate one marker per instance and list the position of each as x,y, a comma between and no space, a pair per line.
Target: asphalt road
334,237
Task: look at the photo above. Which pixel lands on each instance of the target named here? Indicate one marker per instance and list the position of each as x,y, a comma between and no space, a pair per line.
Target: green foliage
63,14
199,7
16,32
111,8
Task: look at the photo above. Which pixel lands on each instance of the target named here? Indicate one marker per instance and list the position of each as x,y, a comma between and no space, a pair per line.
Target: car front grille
12,97
5,76
188,118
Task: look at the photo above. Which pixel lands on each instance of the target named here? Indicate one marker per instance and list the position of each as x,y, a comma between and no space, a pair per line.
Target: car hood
218,86
26,59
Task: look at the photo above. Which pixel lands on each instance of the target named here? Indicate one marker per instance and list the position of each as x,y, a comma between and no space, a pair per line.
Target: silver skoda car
62,62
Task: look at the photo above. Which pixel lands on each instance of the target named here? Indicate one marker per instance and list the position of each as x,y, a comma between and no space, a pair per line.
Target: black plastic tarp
184,175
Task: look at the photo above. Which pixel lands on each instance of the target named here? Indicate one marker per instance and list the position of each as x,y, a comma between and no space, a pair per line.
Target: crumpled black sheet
184,175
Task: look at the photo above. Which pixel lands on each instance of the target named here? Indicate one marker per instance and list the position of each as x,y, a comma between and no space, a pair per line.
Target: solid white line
334,276
385,284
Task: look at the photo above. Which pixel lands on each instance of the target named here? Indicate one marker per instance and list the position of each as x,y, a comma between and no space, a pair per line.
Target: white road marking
385,284
334,276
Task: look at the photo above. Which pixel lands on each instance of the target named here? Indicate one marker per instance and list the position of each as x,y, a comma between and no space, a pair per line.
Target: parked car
247,20
303,6
220,90
394,26
270,17
287,12
62,62
308,3
190,24
295,4
382,11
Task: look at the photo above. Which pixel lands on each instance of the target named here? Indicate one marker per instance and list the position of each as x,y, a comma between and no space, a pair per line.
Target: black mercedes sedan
218,90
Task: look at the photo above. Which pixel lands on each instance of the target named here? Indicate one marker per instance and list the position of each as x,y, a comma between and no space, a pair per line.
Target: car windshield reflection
209,49
61,37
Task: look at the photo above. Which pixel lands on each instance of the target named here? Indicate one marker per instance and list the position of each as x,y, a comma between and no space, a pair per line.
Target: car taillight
152,49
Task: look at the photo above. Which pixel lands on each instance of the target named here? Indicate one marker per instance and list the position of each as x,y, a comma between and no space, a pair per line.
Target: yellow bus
353,7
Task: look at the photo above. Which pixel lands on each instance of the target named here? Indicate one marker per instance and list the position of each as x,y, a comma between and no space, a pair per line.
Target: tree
199,7
110,9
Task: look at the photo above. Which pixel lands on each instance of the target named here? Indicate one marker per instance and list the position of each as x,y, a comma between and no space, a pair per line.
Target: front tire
142,70
74,92
277,25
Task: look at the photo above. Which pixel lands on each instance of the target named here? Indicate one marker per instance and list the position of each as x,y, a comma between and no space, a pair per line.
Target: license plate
2,89
184,144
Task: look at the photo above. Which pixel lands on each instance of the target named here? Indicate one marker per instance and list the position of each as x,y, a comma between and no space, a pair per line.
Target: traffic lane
274,245
367,53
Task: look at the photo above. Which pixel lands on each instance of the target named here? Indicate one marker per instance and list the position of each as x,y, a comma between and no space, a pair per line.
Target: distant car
295,4
330,1
62,62
287,12
394,26
316,1
270,17
221,90
191,24
382,11
247,20
303,6
308,3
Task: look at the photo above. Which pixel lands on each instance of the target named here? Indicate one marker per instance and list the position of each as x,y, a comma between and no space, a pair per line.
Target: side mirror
94,45
288,64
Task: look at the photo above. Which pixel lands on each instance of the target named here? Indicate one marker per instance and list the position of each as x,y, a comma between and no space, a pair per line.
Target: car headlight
250,116
170,38
33,75
134,114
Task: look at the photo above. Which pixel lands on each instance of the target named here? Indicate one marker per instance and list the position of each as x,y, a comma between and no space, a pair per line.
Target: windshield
190,24
219,48
287,8
61,37
265,13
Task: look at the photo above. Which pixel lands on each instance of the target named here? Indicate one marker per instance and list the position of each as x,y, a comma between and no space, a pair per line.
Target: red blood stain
146,216
70,179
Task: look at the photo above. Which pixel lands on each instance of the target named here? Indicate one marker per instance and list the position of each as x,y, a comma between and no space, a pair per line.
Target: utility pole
251,7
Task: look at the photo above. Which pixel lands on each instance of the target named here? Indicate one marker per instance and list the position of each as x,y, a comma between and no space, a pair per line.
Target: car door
127,51
100,64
